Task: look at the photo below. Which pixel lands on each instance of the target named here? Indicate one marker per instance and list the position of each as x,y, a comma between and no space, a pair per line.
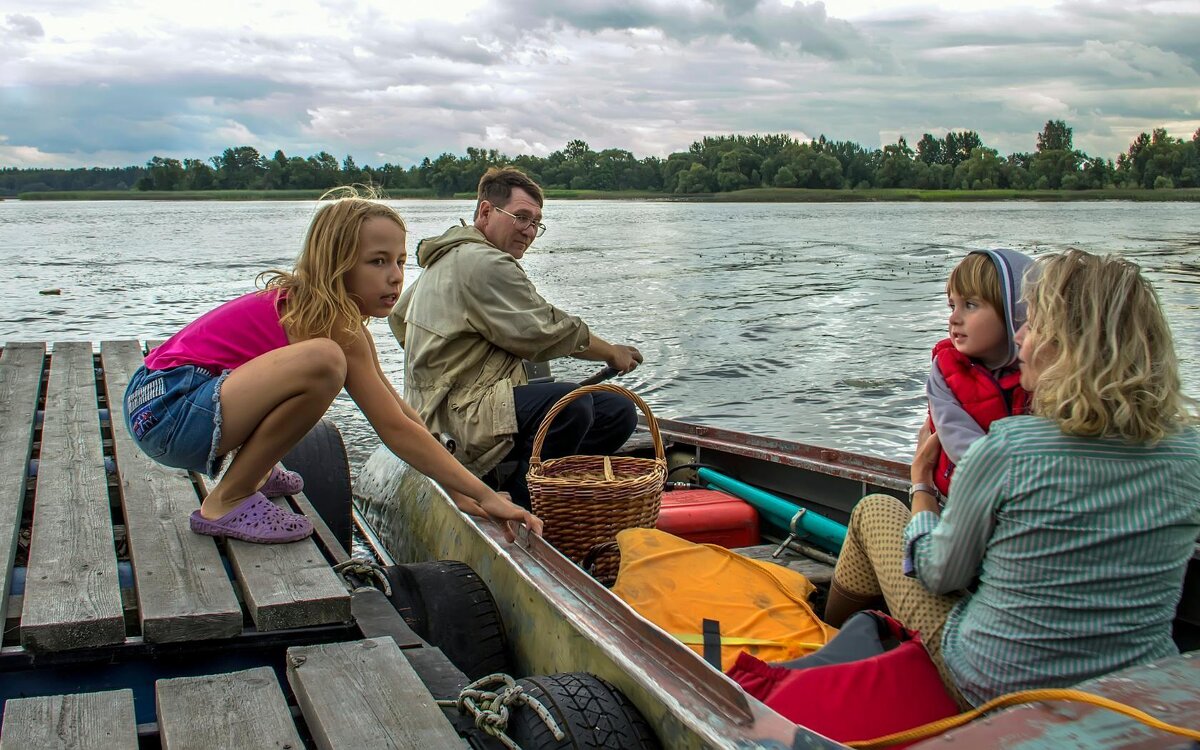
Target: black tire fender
591,713
448,605
320,457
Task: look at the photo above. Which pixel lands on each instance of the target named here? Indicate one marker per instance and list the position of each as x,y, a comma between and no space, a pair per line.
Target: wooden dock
176,638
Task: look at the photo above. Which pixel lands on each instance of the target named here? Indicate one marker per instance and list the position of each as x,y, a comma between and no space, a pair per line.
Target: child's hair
976,277
497,184
317,301
1106,355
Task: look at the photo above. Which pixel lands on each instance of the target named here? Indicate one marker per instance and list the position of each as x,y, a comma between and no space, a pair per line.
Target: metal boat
560,619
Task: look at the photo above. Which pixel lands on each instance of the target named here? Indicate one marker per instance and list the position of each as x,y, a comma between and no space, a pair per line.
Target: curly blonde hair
314,299
1106,355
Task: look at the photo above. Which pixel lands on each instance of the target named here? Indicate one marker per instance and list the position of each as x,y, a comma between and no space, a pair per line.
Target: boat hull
559,619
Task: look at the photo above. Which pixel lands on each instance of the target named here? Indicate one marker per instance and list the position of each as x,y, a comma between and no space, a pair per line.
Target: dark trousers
593,425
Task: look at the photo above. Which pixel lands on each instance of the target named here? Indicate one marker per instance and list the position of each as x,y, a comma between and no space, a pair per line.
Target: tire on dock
448,605
320,457
591,713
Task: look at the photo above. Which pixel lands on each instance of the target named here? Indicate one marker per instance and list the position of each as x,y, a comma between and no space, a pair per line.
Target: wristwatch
923,487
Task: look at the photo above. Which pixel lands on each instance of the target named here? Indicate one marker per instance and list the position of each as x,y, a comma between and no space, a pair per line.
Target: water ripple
805,321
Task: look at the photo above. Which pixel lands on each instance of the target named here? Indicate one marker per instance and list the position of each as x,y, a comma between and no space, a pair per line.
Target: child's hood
1012,267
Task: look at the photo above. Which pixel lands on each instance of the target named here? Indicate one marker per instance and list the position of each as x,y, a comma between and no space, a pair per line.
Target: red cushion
897,690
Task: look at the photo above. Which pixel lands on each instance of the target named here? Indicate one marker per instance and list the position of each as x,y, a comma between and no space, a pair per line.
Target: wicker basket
585,500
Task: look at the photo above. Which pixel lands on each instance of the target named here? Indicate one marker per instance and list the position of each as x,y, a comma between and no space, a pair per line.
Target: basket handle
544,428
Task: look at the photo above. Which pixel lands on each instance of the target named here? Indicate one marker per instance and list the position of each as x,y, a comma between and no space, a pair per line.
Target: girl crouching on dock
255,374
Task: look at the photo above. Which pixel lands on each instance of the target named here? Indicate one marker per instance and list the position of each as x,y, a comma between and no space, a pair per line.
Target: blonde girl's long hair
1108,364
314,299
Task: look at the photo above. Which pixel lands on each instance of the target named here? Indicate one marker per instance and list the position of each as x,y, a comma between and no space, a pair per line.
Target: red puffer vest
980,394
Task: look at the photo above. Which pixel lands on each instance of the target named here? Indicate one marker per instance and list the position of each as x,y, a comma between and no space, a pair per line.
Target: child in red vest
974,380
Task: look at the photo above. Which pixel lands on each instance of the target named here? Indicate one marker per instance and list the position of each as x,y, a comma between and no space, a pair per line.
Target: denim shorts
174,416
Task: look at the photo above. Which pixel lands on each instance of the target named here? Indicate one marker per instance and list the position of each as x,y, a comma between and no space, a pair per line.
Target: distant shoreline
756,195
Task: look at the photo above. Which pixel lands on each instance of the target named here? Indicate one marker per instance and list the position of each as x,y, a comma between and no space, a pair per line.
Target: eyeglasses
523,222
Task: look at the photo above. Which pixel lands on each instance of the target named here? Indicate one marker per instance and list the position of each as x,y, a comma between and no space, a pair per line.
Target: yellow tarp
677,584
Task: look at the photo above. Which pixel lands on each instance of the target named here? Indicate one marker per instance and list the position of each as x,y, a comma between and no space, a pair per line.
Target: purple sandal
282,482
257,519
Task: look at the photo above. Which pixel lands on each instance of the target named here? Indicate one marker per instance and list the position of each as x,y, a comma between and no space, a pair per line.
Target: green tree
324,170
350,172
239,168
895,167
1055,136
444,175
277,176
929,150
675,165
980,172
737,168
198,175
162,174
958,145
697,179
785,178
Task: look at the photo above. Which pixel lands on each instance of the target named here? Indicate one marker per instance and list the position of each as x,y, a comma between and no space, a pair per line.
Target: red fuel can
709,517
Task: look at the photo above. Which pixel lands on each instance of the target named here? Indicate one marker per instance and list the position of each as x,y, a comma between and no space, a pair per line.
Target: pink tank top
225,338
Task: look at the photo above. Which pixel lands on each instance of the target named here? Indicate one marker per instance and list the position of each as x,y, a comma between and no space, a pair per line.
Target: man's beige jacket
465,326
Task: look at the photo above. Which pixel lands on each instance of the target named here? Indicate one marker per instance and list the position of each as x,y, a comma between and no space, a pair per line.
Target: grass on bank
199,195
800,195
755,195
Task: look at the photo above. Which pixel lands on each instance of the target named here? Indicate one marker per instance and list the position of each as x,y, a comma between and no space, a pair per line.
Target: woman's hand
499,507
924,462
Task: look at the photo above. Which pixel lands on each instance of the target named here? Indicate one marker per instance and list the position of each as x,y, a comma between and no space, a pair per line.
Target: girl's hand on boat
501,508
926,458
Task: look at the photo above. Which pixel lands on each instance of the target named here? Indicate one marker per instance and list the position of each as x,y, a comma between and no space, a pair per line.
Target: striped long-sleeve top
1080,546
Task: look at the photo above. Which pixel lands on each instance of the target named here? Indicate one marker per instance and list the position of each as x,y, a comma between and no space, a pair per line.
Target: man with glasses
470,320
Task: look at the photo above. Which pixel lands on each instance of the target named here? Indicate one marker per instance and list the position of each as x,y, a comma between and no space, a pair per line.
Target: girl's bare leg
267,405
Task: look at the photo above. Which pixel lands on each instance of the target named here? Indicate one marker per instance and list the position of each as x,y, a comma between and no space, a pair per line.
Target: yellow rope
696,639
1025,696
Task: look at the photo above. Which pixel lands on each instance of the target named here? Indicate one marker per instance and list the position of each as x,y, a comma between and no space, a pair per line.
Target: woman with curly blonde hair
1060,553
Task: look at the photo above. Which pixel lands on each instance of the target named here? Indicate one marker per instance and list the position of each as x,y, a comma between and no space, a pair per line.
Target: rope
1012,699
366,568
697,639
489,708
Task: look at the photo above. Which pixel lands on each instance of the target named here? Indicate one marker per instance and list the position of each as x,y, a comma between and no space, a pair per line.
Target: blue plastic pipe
822,531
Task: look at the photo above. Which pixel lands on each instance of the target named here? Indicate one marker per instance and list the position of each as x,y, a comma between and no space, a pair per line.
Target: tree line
957,161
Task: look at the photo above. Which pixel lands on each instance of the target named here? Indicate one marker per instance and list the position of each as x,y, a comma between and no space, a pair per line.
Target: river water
805,321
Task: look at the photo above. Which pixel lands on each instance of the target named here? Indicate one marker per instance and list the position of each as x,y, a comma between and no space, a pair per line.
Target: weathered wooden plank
72,595
287,585
366,694
84,721
234,710
183,590
20,378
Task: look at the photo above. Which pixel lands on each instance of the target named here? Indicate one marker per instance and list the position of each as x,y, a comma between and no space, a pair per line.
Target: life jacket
981,394
755,607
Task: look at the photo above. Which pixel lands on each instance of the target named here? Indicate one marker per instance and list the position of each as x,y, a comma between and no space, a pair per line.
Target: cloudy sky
111,84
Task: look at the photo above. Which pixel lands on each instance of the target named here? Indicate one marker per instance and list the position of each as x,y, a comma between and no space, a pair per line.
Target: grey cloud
165,116
456,43
530,77
23,25
767,24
